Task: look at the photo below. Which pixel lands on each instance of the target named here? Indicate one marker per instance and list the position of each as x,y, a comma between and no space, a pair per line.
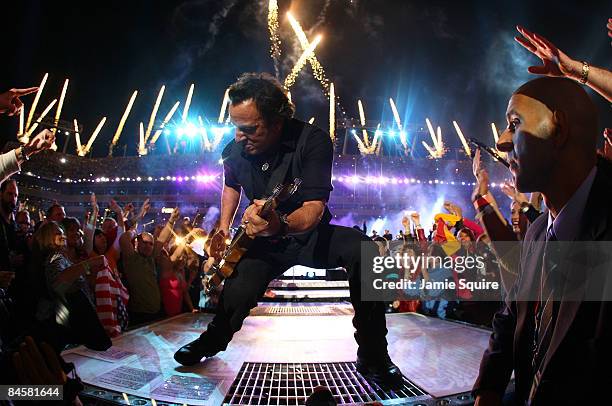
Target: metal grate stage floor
439,358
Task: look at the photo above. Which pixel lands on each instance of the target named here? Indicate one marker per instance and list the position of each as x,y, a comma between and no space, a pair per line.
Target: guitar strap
280,173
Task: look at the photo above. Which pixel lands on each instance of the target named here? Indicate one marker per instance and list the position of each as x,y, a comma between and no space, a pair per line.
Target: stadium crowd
65,281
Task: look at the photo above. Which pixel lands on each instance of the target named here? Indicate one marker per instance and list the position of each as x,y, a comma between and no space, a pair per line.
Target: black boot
192,353
381,370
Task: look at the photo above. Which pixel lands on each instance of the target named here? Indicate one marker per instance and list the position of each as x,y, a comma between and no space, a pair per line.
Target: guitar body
242,242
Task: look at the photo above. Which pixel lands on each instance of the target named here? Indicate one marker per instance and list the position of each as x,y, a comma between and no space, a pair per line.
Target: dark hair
267,93
98,232
69,222
469,233
50,209
4,184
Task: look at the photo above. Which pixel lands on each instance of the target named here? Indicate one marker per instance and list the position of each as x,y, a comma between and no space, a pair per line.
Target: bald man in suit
555,331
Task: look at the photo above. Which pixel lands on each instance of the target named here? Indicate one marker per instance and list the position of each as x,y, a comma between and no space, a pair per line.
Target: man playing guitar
271,148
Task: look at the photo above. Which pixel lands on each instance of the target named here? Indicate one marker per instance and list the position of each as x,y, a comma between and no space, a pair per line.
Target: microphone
490,151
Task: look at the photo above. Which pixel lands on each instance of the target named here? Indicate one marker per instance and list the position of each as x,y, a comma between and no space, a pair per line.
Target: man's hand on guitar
257,226
218,245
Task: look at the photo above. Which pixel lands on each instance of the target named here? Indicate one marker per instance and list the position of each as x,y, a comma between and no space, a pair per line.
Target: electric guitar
241,242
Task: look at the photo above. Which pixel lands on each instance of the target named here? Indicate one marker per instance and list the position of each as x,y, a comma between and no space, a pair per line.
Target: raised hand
175,215
114,206
127,209
144,209
42,141
476,163
554,61
94,202
416,218
10,102
510,191
452,208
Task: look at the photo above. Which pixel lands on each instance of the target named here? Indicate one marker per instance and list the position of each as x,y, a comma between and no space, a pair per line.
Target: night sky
443,60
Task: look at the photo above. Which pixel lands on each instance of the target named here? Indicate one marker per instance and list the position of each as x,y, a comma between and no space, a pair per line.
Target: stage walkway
438,358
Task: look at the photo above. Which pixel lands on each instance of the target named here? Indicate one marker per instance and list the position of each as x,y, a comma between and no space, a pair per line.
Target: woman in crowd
173,285
68,300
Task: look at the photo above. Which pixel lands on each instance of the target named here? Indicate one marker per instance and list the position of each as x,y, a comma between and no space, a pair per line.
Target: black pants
329,246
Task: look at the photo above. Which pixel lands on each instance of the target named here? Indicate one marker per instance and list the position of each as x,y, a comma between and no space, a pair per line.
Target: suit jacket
573,370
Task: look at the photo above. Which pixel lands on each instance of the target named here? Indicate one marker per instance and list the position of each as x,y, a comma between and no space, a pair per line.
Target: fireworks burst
35,102
94,135
466,147
290,79
77,137
275,42
224,104
60,104
362,120
20,133
154,113
39,120
142,150
495,133
163,124
124,117
187,103
317,69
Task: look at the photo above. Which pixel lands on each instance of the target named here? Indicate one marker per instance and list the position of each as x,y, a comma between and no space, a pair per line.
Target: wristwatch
525,207
22,154
284,224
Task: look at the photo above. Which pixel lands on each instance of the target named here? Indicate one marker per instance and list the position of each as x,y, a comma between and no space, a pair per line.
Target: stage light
354,132
218,131
167,132
191,130
392,133
378,133
63,160
180,132
402,134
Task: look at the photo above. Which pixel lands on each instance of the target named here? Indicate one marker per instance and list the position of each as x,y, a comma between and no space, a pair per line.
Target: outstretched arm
558,64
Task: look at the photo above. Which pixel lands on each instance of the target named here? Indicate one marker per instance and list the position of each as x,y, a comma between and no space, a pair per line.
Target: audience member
556,63
139,253
550,141
11,161
56,212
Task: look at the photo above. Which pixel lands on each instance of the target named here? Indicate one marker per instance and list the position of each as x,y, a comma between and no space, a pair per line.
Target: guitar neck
266,210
